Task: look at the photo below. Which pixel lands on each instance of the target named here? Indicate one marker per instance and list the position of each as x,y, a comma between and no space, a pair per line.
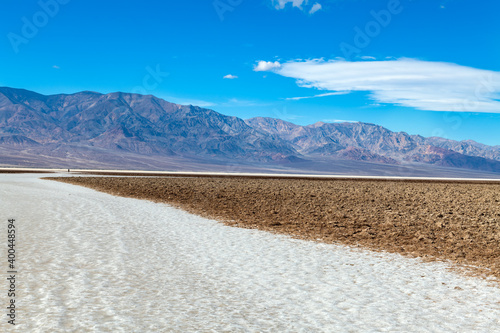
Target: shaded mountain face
132,123
96,127
369,142
325,138
467,147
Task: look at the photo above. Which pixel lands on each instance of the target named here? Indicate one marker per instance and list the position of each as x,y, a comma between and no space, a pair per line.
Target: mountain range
123,130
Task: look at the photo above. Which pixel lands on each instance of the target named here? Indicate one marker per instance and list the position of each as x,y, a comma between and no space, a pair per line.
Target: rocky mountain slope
376,143
96,127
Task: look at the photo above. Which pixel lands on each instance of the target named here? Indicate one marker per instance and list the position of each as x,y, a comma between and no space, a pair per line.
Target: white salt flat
93,262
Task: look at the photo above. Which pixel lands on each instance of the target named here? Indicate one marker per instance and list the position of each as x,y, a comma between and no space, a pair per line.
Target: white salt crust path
92,262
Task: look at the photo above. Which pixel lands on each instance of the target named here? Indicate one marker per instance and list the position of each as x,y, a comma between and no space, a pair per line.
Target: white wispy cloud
424,85
316,96
339,121
265,66
280,4
183,101
230,77
241,102
315,8
56,67
300,4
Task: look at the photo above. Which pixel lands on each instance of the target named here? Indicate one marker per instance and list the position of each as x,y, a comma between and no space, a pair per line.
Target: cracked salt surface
92,262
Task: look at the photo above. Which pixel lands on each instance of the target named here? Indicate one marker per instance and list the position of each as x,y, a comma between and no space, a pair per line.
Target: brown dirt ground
429,219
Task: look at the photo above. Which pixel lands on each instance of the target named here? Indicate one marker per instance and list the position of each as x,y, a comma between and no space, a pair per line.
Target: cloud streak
183,101
316,7
319,95
339,121
300,4
424,85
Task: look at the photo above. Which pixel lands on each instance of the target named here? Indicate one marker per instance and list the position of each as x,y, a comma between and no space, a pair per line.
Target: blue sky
408,65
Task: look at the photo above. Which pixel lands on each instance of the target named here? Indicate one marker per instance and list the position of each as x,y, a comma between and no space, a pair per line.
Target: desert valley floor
97,262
